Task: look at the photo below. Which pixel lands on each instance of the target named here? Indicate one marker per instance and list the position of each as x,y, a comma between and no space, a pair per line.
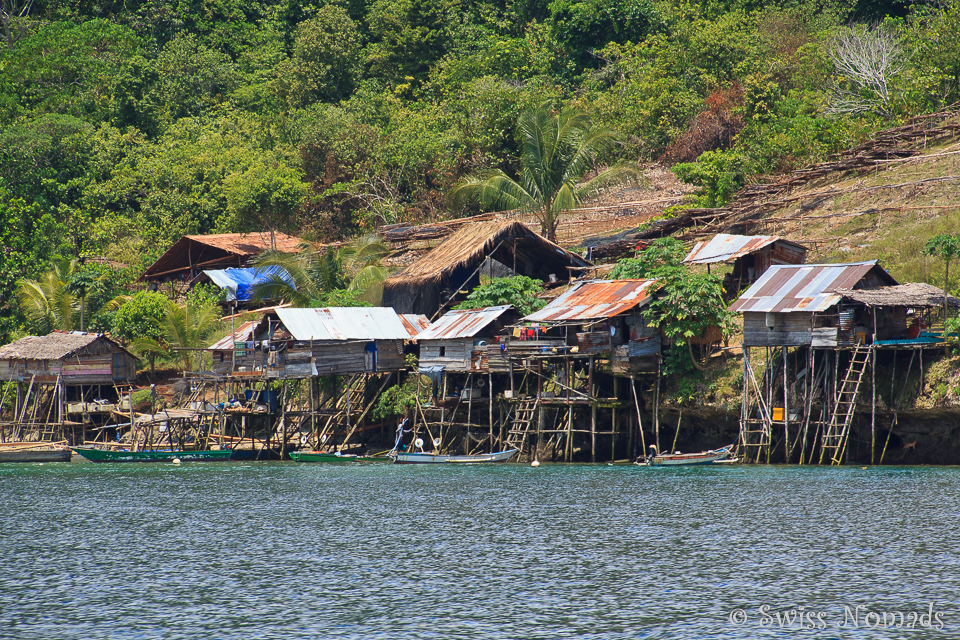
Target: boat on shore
400,457
333,457
164,455
34,452
713,456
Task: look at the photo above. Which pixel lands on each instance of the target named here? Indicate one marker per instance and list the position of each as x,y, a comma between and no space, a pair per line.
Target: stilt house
795,305
72,357
750,256
602,317
334,341
461,339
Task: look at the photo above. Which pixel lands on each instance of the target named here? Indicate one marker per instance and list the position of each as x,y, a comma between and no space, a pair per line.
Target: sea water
280,550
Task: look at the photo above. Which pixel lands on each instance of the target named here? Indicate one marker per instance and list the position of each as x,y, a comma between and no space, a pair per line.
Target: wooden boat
34,452
400,457
683,459
334,457
165,455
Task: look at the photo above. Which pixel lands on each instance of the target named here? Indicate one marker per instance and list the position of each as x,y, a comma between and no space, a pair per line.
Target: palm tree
58,298
557,150
186,329
355,267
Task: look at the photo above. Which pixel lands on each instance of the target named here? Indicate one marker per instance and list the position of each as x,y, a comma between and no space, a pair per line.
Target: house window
443,351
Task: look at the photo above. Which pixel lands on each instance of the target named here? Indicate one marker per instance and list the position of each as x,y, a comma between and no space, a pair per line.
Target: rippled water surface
278,550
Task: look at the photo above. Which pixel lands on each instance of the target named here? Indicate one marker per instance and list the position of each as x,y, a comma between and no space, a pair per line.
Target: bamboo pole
636,404
490,408
786,410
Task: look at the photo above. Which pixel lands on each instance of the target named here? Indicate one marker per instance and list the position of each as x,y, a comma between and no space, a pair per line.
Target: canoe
435,458
35,452
106,455
684,459
335,457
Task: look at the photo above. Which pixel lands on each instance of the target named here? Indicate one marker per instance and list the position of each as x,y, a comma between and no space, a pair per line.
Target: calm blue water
277,550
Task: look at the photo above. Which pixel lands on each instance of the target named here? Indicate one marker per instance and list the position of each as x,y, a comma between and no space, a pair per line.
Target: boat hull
690,459
431,458
36,455
332,458
105,455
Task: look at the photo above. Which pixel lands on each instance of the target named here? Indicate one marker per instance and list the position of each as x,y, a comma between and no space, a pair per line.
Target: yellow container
777,413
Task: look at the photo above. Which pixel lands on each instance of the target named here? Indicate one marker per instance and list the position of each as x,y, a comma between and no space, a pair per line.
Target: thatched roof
53,346
452,264
913,294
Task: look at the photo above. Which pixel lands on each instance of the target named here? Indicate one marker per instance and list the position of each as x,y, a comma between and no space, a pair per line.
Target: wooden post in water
613,420
786,411
656,406
490,396
593,413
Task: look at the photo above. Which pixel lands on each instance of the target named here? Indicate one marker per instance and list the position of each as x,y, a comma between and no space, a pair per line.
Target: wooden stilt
636,405
613,420
656,405
786,410
490,416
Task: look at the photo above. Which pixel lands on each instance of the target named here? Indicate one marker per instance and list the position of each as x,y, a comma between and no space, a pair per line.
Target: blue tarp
239,283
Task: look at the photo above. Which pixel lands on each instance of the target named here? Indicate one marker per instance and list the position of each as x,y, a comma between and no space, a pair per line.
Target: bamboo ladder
836,434
522,424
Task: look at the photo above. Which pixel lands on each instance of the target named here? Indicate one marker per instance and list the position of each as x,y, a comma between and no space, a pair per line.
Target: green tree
140,317
325,60
583,26
184,329
192,78
520,291
267,195
946,247
557,150
663,255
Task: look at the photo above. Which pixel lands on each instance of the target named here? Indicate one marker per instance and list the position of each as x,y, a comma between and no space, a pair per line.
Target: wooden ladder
522,424
837,431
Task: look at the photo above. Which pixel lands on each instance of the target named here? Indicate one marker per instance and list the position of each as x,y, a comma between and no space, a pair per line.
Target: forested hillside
124,125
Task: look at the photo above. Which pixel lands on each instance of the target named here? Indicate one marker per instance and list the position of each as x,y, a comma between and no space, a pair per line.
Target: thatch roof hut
439,277
74,357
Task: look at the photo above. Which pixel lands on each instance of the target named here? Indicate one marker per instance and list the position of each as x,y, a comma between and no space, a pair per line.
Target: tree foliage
520,291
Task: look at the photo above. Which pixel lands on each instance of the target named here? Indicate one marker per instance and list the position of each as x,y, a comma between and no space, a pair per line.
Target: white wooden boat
400,457
681,459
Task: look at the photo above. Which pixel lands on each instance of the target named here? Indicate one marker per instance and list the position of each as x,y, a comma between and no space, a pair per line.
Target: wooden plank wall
792,329
457,353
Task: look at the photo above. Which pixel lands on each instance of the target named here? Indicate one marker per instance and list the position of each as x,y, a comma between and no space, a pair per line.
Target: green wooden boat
108,455
337,457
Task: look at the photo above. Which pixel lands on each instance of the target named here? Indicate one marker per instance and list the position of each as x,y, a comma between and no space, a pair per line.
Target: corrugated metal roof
243,333
414,323
727,248
344,323
809,288
594,300
462,323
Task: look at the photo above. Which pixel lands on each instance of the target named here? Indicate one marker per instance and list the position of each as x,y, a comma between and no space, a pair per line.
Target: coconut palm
58,298
313,273
185,329
557,150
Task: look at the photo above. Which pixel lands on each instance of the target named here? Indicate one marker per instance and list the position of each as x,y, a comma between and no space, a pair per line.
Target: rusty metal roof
727,248
462,323
344,323
414,323
243,333
809,288
595,300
